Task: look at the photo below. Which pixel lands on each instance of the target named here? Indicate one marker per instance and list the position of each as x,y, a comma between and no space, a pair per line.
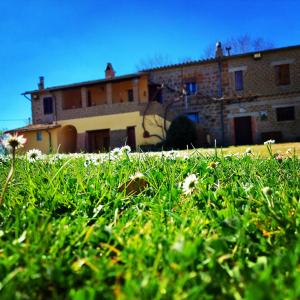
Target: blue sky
70,41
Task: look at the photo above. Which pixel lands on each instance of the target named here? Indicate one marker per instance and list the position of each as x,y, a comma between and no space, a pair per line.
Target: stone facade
259,98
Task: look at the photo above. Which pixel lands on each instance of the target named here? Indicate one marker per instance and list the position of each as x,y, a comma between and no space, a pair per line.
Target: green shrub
182,133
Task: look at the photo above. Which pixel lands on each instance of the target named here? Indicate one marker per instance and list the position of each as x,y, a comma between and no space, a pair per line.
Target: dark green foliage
181,133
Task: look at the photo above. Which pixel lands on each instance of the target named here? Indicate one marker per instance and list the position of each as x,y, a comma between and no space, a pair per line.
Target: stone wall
260,94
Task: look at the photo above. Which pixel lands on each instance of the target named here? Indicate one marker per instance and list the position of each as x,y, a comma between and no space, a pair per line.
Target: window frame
39,136
282,114
130,95
196,114
239,80
192,91
48,105
282,74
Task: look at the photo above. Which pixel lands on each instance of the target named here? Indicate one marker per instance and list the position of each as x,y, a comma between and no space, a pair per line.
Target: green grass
67,231
259,150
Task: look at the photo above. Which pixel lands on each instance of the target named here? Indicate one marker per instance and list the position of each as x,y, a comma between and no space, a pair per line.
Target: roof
143,72
87,83
225,57
34,127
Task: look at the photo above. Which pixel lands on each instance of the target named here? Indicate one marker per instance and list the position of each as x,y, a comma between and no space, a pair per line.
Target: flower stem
9,176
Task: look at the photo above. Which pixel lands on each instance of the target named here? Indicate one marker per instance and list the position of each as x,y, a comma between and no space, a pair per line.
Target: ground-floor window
285,113
193,117
39,136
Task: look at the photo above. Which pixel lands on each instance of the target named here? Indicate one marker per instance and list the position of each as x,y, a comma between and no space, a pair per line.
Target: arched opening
67,139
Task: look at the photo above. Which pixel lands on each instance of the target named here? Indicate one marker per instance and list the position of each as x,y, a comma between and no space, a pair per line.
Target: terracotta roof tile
34,127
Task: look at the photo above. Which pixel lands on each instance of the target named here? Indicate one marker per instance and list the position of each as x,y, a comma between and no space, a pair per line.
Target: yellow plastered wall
119,122
43,145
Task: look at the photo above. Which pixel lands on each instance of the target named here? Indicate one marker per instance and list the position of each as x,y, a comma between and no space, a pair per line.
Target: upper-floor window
282,74
239,82
130,95
191,88
285,113
48,105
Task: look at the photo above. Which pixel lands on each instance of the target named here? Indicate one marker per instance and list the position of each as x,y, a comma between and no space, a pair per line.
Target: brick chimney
109,71
41,84
219,50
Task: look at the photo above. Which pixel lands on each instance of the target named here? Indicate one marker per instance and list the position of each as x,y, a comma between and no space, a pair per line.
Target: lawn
258,150
91,227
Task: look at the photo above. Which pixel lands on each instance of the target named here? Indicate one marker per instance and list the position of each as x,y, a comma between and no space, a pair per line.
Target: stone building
234,100
238,99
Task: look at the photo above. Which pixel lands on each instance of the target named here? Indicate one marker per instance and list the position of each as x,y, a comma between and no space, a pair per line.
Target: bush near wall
181,134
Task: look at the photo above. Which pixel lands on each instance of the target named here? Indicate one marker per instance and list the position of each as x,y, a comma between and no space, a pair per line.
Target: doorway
131,137
98,140
243,131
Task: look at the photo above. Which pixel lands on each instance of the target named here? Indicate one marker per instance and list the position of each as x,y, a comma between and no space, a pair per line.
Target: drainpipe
55,106
50,140
219,56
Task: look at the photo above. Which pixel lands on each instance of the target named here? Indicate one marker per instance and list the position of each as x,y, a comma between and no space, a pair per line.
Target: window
193,117
285,113
191,88
48,106
130,95
282,73
39,136
239,83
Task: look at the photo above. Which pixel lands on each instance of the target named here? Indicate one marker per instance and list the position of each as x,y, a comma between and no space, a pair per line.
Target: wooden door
131,137
99,140
243,131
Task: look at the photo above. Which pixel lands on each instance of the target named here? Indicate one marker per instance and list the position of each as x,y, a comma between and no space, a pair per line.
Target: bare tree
157,60
238,45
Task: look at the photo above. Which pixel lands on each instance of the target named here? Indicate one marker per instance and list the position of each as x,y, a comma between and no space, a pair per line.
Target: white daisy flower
178,243
267,191
125,149
96,210
248,151
15,141
34,154
87,162
115,152
269,142
213,165
137,175
97,161
189,184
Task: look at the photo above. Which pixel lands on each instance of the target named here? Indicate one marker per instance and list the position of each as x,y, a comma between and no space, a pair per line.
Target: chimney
109,71
219,50
41,83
